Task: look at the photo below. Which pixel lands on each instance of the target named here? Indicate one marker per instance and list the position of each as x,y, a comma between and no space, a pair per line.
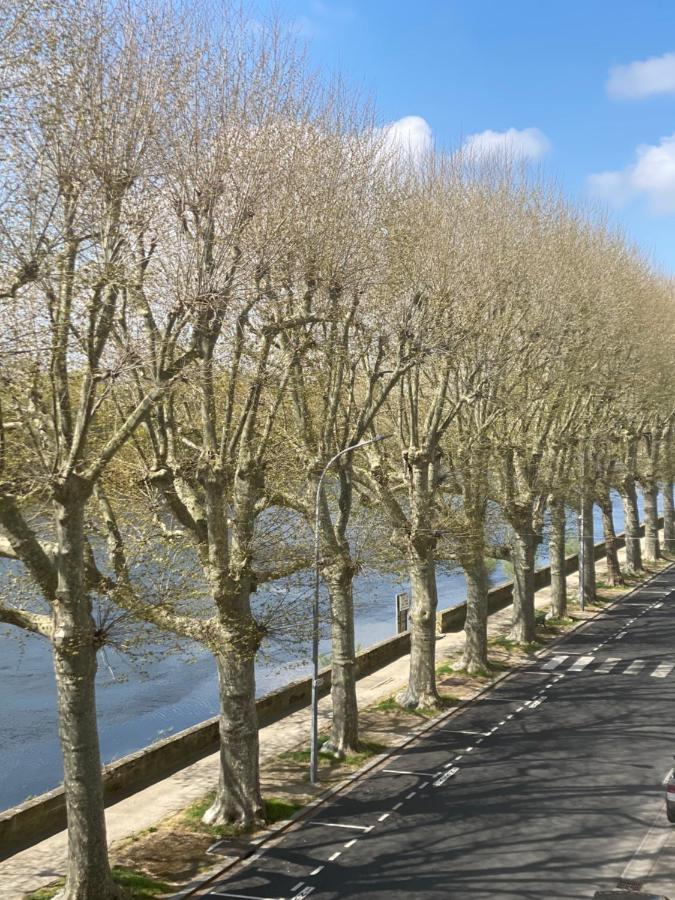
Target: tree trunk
74,649
523,626
238,801
631,526
614,575
557,559
421,690
345,729
652,549
475,659
668,518
589,551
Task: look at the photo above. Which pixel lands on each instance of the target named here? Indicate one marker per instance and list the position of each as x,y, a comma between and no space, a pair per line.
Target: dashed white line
350,843
410,795
317,870
397,805
298,886
383,817
335,855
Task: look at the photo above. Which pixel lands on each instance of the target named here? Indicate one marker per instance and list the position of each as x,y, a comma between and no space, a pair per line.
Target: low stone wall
45,815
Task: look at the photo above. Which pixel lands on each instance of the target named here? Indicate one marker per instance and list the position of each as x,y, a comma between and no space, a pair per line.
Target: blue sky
546,69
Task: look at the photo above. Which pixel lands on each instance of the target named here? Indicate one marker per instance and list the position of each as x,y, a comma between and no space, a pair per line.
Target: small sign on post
402,610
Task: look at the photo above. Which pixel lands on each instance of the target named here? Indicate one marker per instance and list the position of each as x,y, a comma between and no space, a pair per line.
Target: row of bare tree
216,272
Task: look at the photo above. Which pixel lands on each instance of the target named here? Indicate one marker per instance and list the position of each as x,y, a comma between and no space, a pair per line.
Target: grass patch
504,642
445,669
277,810
365,751
192,816
559,623
139,886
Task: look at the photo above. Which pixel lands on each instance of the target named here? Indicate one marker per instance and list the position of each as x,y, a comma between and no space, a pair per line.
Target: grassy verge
138,886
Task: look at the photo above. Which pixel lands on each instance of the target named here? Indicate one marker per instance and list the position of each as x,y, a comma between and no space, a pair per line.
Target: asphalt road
549,787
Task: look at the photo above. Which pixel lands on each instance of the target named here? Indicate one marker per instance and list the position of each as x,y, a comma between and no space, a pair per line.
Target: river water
176,690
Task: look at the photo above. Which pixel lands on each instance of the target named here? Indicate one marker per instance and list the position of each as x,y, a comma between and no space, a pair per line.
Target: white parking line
341,825
662,670
335,855
317,870
350,843
404,772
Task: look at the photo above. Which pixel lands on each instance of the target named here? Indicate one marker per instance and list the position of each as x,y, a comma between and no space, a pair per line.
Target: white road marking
619,636
397,805
608,665
446,776
581,663
245,896
468,749
410,795
520,709
510,716
298,886
658,605
456,731
335,855
669,774
503,722
341,825
317,870
383,817
404,772
457,758
662,670
305,892
635,667
554,663
350,843
647,853
535,703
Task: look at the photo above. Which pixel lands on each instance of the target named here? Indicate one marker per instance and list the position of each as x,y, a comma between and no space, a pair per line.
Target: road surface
548,787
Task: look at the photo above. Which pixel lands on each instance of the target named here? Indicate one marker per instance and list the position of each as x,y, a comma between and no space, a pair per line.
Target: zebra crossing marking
608,665
636,666
663,670
581,663
554,662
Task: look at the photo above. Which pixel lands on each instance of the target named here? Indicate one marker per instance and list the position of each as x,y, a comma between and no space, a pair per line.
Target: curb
271,836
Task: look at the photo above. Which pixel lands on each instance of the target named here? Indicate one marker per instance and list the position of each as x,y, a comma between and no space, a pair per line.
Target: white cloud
528,143
652,176
410,136
643,78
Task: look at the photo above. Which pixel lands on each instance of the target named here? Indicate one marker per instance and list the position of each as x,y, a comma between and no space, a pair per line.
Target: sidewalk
44,862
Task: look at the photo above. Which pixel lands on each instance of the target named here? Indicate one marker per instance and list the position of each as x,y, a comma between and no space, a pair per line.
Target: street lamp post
314,737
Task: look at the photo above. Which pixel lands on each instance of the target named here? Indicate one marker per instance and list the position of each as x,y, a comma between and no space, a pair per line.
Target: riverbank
145,811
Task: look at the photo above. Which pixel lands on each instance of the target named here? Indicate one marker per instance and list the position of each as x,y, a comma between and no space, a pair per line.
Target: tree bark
421,690
74,650
557,559
475,659
668,517
238,800
589,550
631,525
614,575
652,548
523,626
338,576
